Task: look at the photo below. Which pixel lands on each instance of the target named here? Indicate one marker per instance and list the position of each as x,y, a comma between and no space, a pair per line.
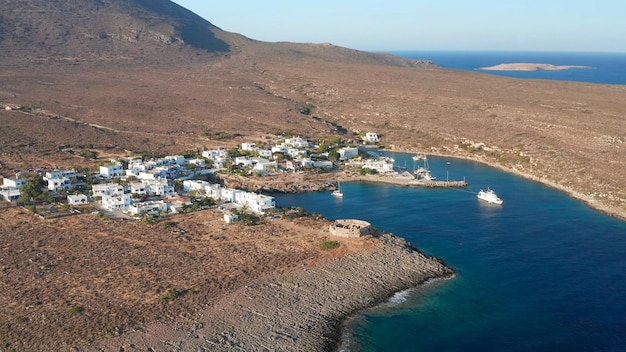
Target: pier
438,184
406,181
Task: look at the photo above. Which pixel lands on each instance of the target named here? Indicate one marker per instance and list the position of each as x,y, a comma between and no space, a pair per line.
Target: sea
541,272
604,68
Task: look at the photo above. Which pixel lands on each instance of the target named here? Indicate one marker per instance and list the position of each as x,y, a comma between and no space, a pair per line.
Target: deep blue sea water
606,68
542,272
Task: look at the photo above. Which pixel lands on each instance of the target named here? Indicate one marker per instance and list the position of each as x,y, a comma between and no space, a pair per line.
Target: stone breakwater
296,311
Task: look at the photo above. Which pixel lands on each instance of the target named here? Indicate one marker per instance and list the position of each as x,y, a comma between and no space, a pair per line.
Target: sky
423,25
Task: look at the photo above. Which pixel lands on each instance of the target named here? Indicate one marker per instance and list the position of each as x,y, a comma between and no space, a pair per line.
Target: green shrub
77,310
330,244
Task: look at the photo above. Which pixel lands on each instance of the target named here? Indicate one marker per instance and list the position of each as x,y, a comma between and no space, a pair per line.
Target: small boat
489,196
419,157
338,193
448,163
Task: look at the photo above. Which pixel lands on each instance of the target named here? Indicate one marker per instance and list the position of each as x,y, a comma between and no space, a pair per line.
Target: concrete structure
350,228
9,194
117,201
110,171
150,208
371,137
77,199
106,189
348,153
17,182
382,165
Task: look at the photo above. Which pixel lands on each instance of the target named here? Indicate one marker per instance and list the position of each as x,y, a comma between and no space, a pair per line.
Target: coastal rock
298,311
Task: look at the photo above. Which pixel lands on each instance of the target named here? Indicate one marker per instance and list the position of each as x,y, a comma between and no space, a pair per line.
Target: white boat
422,173
338,193
489,196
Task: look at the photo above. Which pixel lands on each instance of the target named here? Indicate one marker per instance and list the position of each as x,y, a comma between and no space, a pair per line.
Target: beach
298,311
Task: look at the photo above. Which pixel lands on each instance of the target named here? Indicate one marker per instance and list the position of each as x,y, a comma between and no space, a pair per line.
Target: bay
542,272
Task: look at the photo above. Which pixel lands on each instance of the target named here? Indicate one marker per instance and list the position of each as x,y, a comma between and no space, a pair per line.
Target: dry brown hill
164,89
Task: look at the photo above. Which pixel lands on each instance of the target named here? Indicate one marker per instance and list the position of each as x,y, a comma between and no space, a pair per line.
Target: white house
59,179
150,207
323,164
106,189
57,184
117,201
265,167
197,161
109,171
348,153
175,159
9,193
194,185
159,188
14,182
57,174
248,146
219,157
371,137
382,165
244,161
77,199
258,203
229,217
296,142
265,153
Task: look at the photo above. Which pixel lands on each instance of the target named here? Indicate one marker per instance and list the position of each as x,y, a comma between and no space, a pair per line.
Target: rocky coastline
302,310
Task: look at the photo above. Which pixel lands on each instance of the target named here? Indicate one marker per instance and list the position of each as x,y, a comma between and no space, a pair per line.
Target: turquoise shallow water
542,272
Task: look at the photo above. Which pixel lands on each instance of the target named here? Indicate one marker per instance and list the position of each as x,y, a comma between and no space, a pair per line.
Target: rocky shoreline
302,310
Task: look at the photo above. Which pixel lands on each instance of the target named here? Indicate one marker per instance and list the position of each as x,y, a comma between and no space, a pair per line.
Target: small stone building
350,228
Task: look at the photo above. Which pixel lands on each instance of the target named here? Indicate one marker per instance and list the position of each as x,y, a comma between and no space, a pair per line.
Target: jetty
408,181
439,184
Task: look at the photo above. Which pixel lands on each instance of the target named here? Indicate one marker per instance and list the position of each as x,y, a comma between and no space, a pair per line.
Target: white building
9,193
111,171
175,159
150,207
117,201
248,146
57,174
371,137
296,142
106,189
265,167
381,165
257,203
57,184
265,153
194,185
59,179
14,182
77,199
323,164
348,153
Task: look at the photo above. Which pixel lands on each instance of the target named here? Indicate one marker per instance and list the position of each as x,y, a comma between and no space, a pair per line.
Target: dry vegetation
128,85
72,280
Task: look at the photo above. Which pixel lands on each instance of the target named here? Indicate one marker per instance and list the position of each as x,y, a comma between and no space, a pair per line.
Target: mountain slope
95,29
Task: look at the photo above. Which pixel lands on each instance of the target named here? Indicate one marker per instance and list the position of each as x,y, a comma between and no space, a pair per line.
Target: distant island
529,67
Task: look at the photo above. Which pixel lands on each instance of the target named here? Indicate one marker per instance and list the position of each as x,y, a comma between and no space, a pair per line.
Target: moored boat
489,196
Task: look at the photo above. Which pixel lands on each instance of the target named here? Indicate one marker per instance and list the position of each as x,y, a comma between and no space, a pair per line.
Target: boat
338,193
422,173
489,196
418,157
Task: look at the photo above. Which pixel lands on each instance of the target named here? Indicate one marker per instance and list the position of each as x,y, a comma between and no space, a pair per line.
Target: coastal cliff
297,311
